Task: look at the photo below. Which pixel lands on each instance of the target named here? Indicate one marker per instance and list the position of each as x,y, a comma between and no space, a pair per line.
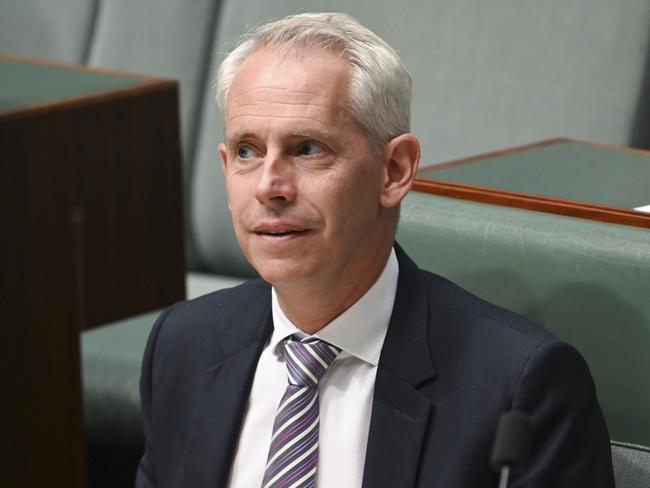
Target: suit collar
361,329
400,413
252,322
406,350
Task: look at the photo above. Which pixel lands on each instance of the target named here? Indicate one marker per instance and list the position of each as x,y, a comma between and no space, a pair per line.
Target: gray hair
379,88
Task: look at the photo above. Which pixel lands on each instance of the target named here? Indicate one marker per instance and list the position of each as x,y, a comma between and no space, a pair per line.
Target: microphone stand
511,444
503,480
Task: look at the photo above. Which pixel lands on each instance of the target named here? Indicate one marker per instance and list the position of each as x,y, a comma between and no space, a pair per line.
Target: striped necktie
293,454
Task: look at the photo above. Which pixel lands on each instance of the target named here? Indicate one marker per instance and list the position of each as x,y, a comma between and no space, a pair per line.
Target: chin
283,275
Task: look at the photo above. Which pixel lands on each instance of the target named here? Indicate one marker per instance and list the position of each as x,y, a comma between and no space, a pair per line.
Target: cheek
352,207
365,186
238,216
239,191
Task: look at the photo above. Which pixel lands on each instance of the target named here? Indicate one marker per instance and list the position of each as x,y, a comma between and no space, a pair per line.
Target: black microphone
511,444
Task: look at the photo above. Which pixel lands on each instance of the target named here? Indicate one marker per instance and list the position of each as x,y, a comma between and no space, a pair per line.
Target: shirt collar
361,329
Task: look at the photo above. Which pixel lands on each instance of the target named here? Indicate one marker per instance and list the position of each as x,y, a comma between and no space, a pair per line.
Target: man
345,365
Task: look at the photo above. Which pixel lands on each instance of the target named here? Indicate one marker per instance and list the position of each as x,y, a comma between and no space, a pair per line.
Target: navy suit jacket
451,364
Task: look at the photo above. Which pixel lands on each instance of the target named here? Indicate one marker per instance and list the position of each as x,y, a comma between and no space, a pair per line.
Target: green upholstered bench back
586,281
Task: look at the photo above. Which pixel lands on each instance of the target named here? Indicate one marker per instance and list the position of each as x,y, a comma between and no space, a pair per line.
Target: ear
401,157
223,153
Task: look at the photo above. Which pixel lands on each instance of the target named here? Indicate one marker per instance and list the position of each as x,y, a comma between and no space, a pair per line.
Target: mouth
280,232
281,235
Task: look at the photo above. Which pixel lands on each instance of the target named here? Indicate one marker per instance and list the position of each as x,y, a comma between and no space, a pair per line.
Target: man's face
303,183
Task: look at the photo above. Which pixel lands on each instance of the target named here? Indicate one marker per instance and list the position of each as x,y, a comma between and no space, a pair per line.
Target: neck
310,307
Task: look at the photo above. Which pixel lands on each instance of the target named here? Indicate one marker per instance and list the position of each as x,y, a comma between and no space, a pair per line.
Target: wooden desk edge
143,84
80,67
528,201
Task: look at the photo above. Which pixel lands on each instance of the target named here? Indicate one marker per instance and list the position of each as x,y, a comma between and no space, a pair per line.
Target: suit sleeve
571,443
146,473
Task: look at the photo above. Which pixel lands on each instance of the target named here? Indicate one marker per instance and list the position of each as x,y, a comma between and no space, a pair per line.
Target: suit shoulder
463,308
238,312
488,348
222,303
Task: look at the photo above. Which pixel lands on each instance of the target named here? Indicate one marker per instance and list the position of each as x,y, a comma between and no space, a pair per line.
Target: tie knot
307,360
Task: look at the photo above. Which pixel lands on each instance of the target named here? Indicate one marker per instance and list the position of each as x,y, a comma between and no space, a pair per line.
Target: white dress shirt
345,391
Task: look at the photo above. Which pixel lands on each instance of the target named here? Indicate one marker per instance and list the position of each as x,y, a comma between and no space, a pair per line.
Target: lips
279,230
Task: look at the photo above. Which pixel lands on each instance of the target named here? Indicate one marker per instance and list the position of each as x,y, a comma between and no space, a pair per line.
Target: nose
276,185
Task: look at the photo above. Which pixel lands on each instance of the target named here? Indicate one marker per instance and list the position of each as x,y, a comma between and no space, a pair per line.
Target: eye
310,149
245,152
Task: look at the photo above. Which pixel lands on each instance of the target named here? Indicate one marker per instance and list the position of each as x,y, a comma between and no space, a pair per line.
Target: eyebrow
312,134
238,136
299,134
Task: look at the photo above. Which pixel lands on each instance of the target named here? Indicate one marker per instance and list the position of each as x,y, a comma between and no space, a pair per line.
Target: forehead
311,84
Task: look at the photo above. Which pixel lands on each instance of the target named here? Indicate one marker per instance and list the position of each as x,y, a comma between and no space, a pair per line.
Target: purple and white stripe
293,454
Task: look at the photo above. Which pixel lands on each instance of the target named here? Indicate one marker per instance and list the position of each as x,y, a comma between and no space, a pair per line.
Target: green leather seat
111,357
588,282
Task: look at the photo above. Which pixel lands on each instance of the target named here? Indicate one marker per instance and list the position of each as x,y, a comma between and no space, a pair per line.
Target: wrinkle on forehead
286,95
247,102
289,116
317,112
263,67
281,89
306,90
276,90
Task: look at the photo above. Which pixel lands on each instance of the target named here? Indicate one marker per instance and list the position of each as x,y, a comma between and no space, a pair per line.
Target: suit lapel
221,395
400,413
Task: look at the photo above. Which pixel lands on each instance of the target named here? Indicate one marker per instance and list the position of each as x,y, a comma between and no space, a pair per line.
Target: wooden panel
127,184
92,231
41,401
122,159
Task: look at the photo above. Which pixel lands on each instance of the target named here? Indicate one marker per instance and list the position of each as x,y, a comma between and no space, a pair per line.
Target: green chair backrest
588,282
